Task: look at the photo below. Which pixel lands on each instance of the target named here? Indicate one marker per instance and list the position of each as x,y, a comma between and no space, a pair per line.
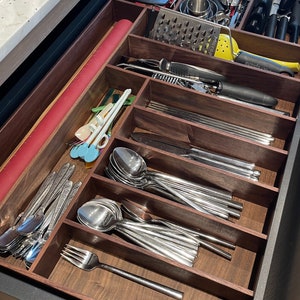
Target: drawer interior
211,276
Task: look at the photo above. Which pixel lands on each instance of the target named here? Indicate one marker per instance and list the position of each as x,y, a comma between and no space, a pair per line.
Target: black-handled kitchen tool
261,62
258,17
294,23
285,6
246,94
282,27
222,87
284,12
271,26
272,20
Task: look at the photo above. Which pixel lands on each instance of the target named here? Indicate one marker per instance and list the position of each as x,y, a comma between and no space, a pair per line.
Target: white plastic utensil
93,151
99,134
86,130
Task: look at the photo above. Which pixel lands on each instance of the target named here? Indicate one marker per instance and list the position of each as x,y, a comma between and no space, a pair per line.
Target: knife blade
227,163
162,143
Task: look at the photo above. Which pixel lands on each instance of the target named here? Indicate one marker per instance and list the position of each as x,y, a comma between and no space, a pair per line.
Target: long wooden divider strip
30,147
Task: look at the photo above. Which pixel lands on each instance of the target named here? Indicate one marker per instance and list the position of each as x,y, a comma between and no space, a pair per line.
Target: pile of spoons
25,238
105,215
127,166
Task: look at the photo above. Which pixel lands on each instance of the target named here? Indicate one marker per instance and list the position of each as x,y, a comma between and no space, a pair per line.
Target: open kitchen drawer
264,224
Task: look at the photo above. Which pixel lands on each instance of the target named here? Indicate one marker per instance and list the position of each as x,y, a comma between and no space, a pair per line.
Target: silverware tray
211,277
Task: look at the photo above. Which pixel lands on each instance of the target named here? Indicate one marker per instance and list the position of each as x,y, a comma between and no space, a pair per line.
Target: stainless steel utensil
257,136
128,167
105,215
221,161
197,236
130,164
199,8
88,261
186,31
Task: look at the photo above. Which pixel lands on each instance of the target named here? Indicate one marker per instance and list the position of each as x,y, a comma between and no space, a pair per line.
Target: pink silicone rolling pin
28,150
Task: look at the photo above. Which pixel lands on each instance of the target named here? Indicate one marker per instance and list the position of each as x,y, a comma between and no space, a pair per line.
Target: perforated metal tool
186,31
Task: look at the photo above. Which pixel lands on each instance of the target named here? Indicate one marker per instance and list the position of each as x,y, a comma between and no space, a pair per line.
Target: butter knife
224,162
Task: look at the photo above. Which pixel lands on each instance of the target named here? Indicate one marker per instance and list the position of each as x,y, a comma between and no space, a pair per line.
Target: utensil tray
264,202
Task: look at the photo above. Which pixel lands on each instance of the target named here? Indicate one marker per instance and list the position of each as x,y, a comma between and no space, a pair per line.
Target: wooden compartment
211,277
44,96
276,53
116,246
260,44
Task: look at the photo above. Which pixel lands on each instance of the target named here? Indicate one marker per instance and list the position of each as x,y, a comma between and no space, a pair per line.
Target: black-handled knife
246,94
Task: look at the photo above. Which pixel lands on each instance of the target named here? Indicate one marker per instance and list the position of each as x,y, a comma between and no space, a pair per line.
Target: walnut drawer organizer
267,203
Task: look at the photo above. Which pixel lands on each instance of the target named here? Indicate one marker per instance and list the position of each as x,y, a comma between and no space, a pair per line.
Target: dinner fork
88,261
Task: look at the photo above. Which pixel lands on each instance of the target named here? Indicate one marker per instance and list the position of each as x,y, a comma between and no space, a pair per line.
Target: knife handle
282,27
246,94
271,26
261,62
294,23
223,158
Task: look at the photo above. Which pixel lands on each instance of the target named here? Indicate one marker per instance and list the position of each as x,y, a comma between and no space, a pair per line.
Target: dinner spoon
134,169
104,215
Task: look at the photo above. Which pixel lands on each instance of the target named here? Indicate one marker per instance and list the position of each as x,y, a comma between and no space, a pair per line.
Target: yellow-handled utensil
230,51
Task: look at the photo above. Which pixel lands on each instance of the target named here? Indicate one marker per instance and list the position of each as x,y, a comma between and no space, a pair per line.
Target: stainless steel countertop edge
26,46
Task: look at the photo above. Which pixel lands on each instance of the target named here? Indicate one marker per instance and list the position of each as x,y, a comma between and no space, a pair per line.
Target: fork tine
70,259
79,251
77,256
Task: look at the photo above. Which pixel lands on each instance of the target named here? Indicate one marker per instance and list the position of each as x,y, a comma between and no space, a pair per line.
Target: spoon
98,120
31,224
100,215
33,215
134,169
105,215
169,233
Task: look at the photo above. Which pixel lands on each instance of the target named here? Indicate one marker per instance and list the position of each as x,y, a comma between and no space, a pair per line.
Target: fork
88,261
